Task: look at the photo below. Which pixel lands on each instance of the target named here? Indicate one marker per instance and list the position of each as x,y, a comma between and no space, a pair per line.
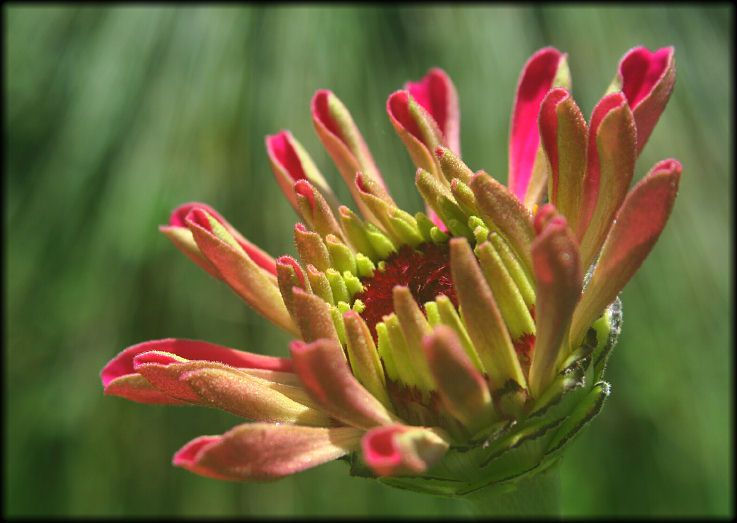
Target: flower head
445,350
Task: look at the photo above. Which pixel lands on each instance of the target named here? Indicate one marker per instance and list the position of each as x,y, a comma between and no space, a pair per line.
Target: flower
444,351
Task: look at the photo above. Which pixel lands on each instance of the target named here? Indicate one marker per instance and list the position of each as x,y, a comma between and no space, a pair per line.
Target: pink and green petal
462,388
437,94
263,452
313,316
343,141
503,212
646,78
546,69
564,137
324,371
417,128
178,228
364,357
291,163
289,274
611,165
120,378
315,210
637,226
136,388
483,320
452,166
253,398
256,286
558,282
399,450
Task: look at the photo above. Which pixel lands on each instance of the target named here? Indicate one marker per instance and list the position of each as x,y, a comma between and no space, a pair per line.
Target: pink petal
537,78
324,371
417,129
291,163
502,211
178,220
136,388
611,165
637,226
399,450
263,452
646,79
462,388
437,94
482,318
257,287
564,137
120,378
343,141
122,364
314,209
558,282
313,316
281,150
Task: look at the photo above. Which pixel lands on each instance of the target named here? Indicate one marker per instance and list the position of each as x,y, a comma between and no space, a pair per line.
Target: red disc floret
424,270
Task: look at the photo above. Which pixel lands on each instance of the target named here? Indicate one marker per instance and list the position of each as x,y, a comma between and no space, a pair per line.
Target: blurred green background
114,116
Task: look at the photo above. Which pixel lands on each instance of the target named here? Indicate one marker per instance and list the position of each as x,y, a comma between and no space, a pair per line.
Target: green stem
537,495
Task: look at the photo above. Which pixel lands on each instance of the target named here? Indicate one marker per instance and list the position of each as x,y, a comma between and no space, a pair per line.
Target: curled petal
315,209
251,397
364,358
257,287
313,316
611,165
291,163
503,212
417,129
646,78
120,378
546,69
263,452
482,318
399,450
343,141
564,135
558,282
461,387
437,94
636,228
178,232
323,369
289,274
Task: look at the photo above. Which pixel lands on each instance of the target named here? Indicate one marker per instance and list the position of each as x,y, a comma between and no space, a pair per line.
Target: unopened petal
437,94
323,369
257,287
291,163
120,378
646,78
546,69
611,165
461,387
399,450
558,281
636,228
263,452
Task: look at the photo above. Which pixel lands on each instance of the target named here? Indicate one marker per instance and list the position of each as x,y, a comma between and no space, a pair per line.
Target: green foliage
114,116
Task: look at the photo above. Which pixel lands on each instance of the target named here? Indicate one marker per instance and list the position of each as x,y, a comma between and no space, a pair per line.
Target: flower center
424,270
